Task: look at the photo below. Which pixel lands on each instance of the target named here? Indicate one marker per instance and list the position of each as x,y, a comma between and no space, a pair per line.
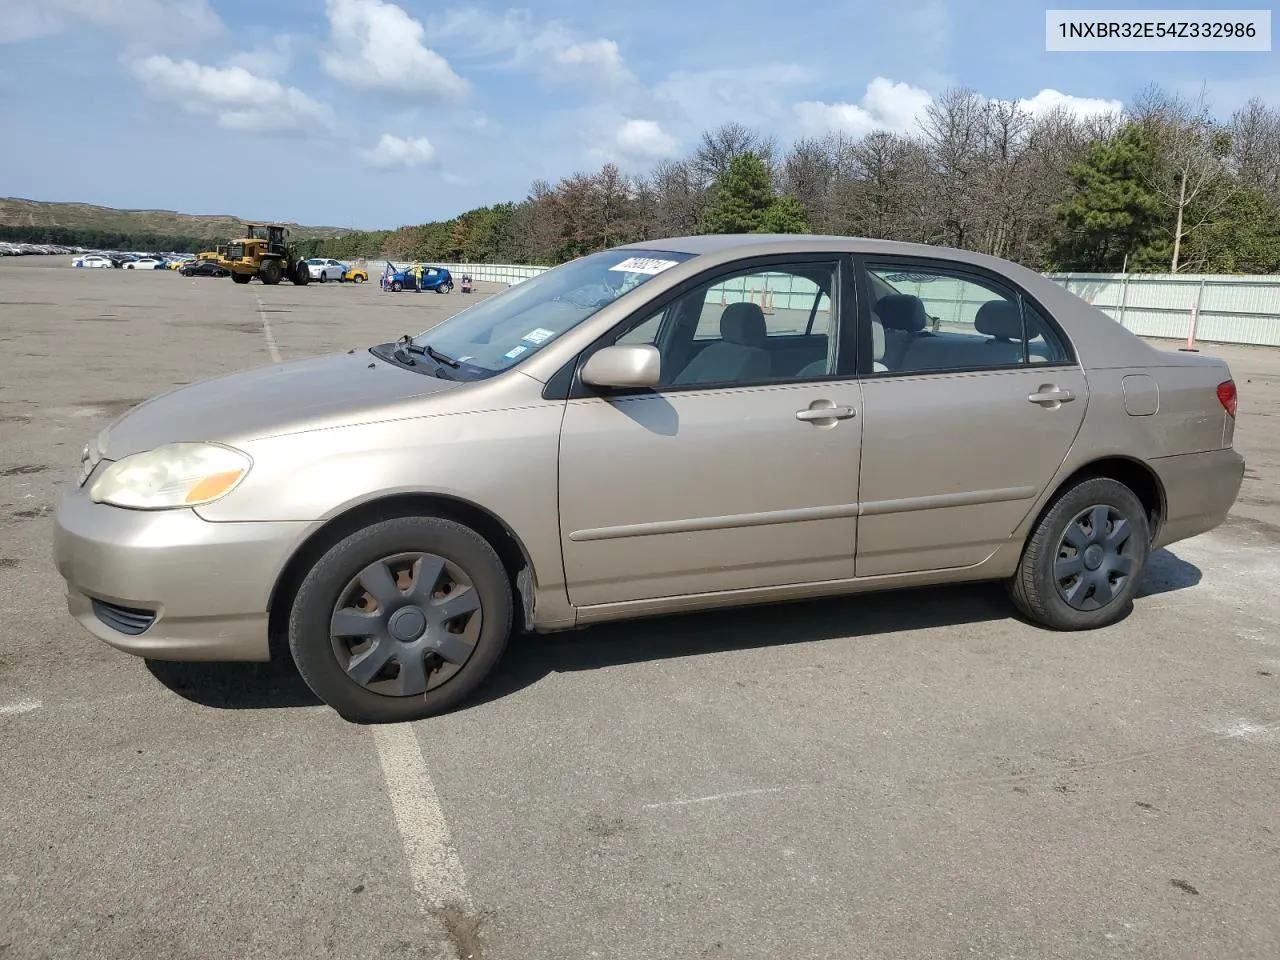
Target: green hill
19,213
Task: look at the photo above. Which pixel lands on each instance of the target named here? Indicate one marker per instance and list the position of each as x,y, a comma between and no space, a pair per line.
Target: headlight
171,476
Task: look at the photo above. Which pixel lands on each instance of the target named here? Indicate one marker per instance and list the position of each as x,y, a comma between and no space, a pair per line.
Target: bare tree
678,198
1255,147
954,129
1192,179
812,172
720,146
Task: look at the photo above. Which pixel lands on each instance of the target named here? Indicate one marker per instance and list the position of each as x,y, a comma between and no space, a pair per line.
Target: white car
144,264
324,270
92,261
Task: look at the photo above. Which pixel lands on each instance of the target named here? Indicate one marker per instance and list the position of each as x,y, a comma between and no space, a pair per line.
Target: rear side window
930,318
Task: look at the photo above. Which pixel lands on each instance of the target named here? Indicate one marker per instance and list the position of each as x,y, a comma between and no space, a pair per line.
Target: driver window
756,326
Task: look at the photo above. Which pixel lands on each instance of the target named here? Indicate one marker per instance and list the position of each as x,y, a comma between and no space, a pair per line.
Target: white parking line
433,863
19,706
266,331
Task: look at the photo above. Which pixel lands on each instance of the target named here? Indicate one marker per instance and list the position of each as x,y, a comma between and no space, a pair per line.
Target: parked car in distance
92,261
203,268
433,278
145,263
356,274
324,270
586,446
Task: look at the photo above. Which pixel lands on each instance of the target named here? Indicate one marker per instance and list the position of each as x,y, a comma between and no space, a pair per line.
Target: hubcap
406,624
1094,560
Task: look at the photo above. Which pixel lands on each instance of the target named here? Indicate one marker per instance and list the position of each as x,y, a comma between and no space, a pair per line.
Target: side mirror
627,365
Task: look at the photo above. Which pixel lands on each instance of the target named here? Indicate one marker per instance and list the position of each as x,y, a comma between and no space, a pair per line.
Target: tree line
1161,186
92,239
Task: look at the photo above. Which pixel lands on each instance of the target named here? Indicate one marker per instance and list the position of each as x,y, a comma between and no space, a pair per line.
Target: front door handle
1050,396
825,413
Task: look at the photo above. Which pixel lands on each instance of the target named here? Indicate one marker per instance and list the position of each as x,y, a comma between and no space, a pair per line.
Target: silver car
669,426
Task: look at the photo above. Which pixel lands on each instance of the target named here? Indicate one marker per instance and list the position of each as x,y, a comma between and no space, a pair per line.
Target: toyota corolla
669,426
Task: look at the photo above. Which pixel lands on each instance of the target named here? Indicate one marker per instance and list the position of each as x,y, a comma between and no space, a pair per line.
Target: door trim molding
730,522
839,511
937,501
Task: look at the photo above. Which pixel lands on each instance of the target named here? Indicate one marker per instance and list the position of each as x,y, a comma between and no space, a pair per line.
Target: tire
270,272
335,579
324,276
301,274
397,286
1047,573
241,277
446,287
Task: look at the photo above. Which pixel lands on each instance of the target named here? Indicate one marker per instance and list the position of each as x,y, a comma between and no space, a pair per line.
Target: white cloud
749,95
550,49
268,61
240,100
645,139
377,46
885,106
888,105
1048,100
392,151
155,21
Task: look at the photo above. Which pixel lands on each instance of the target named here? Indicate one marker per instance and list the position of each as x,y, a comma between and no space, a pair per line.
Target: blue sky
369,113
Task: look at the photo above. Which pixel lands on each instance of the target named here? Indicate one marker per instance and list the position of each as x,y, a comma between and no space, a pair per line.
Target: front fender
502,461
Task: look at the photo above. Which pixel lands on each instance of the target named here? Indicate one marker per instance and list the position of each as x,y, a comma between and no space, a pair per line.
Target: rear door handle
825,413
1051,395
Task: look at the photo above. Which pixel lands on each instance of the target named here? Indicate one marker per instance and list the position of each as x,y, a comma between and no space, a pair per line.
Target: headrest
743,323
902,311
1000,319
877,340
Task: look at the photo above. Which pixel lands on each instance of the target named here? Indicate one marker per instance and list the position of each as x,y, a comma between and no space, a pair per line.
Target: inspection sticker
649,265
515,352
537,336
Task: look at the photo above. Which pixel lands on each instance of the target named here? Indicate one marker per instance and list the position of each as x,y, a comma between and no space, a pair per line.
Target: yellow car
356,274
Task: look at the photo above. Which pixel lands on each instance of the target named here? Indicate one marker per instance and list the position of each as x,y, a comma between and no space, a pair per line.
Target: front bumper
168,585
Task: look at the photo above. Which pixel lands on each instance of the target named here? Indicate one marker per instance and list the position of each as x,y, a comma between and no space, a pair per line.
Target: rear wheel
241,277
397,286
401,620
1082,564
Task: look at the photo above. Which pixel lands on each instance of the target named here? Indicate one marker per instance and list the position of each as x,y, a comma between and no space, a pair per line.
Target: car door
735,473
973,402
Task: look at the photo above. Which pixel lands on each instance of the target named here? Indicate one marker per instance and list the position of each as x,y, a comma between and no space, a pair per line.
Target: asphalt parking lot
914,775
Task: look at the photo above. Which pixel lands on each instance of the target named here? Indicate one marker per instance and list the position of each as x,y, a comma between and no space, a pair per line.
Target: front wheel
397,286
1082,564
241,277
401,620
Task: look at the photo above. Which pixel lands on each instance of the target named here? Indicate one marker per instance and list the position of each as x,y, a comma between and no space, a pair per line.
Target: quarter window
928,319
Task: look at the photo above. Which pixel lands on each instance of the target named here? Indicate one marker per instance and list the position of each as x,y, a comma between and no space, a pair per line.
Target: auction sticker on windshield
649,265
538,335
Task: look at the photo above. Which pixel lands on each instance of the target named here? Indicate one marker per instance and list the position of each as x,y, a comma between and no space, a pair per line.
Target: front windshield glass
510,327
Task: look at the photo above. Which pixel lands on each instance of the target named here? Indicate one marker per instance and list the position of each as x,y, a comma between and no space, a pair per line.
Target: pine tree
741,197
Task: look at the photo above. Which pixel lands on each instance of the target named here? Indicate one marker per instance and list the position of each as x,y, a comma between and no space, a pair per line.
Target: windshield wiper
406,344
435,354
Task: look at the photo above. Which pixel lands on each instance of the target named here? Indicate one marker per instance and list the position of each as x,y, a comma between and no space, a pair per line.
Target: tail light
1227,396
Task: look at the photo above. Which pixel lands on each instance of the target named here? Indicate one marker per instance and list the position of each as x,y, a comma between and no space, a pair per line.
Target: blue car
433,278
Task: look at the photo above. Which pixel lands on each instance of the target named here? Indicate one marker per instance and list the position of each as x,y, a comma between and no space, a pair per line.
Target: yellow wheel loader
265,252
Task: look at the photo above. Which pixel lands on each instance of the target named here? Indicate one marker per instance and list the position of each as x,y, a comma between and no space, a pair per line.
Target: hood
281,398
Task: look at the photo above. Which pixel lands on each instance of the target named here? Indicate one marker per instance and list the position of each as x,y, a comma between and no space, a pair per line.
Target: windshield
510,327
